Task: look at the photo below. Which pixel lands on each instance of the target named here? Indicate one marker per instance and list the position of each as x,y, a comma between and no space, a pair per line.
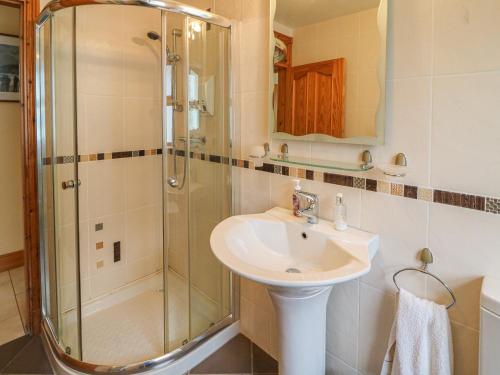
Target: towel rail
426,258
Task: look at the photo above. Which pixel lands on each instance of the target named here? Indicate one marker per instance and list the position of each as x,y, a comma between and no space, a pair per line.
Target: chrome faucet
310,211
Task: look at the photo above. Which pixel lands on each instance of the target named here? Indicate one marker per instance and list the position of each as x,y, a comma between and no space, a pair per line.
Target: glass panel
65,174
119,132
209,179
46,177
176,181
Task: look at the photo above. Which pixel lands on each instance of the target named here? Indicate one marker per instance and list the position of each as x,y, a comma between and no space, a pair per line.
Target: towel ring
427,258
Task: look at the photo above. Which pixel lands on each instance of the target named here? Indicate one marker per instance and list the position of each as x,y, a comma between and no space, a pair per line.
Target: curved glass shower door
60,187
134,173
197,173
209,176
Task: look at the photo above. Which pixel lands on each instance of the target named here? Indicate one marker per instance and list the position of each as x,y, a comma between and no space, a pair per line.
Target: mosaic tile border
463,200
137,153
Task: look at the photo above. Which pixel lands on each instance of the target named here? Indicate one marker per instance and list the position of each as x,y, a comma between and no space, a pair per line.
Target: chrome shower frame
48,329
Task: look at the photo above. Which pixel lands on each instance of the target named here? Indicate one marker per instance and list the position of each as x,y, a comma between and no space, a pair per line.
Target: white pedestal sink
299,263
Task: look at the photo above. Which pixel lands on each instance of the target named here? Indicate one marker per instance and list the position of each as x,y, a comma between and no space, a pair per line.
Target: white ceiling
296,13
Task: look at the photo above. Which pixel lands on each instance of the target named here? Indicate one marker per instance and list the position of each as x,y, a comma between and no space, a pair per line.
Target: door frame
29,10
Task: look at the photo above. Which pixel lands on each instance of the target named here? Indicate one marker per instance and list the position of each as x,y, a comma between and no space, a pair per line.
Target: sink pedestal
301,316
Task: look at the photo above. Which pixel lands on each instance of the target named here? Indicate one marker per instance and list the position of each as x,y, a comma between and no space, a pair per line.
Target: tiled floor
132,330
24,355
238,357
13,304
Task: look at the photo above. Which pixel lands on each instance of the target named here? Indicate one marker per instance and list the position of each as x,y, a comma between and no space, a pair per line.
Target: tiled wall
443,83
118,109
356,38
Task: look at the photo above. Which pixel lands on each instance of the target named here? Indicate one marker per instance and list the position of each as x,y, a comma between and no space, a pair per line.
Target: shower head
153,35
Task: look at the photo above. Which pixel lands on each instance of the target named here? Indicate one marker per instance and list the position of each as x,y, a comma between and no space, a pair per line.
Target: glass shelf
320,163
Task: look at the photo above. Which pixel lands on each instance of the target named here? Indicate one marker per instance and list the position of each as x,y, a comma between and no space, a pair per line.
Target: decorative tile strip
447,197
384,187
475,202
397,189
359,183
318,176
425,194
493,205
470,201
338,179
410,191
371,185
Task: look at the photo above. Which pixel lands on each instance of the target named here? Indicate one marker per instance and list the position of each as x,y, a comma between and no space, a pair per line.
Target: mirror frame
380,118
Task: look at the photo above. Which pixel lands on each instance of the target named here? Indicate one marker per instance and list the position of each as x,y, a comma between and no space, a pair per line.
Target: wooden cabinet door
317,98
301,101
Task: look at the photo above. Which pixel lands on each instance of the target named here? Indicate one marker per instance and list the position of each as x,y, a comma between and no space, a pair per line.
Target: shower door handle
172,181
70,184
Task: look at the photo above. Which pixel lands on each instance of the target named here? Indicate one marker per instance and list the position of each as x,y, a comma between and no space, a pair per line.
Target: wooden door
317,98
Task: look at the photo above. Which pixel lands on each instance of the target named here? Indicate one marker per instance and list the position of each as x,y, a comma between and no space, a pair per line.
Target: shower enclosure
134,173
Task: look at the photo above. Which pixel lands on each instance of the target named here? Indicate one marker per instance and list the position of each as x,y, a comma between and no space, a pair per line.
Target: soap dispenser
340,214
295,197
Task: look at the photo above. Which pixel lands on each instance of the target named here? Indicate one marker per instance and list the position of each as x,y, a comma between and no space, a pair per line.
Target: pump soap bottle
340,214
295,197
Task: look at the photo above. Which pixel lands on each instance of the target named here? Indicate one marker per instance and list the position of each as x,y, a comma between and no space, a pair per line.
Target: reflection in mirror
329,70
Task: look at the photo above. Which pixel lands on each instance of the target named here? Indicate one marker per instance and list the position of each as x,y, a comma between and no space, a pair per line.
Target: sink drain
292,270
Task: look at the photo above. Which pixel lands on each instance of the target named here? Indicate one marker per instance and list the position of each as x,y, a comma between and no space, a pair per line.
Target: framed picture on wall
9,68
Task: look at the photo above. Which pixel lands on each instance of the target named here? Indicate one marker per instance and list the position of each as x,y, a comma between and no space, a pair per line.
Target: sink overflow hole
292,270
304,235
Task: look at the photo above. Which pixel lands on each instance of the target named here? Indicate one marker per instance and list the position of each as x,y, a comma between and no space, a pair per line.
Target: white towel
420,340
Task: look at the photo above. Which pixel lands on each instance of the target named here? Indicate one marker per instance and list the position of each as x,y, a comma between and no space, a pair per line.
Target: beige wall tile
343,322
255,9
465,118
410,39
104,123
106,187
255,323
465,245
253,58
143,181
401,224
254,123
335,365
466,36
375,320
408,127
229,8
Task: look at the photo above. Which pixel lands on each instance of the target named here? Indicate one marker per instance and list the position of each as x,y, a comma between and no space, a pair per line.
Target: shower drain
293,270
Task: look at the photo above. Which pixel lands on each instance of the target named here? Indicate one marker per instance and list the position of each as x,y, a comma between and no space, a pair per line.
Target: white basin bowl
278,249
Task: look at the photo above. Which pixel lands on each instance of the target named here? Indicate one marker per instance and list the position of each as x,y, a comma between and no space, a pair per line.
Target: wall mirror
327,70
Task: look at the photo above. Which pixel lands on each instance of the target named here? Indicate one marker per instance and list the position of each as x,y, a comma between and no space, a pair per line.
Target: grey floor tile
232,358
263,363
10,350
32,359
